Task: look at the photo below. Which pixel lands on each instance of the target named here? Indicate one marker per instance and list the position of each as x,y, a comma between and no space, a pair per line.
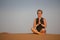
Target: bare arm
45,23
34,23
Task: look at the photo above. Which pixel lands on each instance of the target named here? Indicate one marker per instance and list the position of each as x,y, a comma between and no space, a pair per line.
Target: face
39,14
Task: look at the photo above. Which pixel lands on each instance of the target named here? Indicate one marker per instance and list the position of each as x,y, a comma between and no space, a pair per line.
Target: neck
39,17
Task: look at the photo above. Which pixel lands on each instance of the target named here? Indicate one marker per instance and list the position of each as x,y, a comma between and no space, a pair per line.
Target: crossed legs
43,31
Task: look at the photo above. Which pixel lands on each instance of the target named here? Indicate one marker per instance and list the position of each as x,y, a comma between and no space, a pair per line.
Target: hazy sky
17,16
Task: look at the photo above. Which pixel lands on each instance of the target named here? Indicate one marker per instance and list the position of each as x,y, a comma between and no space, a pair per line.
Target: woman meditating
39,25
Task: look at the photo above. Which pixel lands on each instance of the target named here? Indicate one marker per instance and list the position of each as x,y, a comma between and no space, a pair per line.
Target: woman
39,25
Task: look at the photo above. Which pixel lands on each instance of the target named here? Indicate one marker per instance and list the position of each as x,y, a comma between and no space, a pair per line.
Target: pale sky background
17,16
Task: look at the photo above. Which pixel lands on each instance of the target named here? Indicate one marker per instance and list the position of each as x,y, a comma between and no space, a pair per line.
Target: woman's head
39,13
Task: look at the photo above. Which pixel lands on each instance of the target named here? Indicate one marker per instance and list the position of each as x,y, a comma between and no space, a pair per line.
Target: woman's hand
37,25
39,21
45,23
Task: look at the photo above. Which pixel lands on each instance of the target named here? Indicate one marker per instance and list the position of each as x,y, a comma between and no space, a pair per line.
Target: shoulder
35,19
44,18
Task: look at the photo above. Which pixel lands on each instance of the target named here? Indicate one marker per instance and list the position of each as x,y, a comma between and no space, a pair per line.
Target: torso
41,20
39,27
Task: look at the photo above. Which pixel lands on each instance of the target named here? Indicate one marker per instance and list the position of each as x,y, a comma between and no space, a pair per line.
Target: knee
43,31
32,29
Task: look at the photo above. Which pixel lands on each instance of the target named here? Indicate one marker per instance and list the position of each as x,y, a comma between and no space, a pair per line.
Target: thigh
34,30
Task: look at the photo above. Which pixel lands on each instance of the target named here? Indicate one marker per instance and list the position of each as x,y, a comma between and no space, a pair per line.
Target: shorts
39,28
